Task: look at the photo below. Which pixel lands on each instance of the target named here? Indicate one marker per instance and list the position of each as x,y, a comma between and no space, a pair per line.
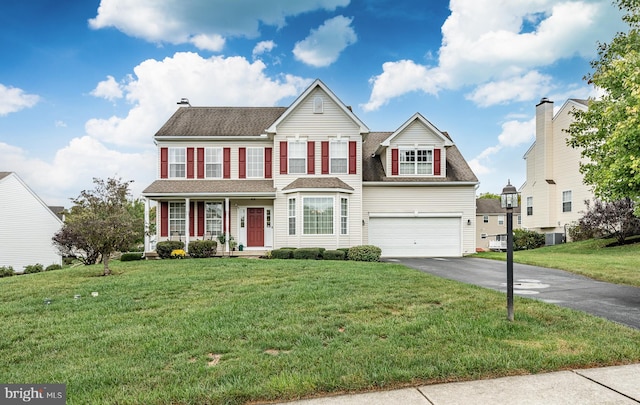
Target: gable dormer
416,149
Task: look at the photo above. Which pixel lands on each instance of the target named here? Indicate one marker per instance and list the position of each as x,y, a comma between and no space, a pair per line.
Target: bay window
318,215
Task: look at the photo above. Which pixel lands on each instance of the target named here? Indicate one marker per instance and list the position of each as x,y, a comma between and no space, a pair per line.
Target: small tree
101,221
611,218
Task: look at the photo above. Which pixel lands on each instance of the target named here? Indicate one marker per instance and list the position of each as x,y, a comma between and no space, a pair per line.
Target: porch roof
317,183
218,188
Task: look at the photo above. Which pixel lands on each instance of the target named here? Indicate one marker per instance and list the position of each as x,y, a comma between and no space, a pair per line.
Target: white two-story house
312,175
553,194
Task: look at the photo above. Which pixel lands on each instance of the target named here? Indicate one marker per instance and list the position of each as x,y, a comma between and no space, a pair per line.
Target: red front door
255,226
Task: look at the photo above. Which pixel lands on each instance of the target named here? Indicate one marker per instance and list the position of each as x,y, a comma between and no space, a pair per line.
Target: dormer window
416,161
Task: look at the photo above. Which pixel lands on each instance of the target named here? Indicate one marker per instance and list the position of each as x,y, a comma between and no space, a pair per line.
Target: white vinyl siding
177,163
255,162
27,226
213,163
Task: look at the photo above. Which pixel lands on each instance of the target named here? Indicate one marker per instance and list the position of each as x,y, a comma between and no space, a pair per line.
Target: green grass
231,331
591,258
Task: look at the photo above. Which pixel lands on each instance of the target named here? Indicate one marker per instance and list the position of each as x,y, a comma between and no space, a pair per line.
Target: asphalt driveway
615,302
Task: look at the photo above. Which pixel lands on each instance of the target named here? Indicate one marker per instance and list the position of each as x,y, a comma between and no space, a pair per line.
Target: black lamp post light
509,200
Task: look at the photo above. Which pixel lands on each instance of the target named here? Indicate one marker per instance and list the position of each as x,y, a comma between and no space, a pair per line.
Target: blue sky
84,85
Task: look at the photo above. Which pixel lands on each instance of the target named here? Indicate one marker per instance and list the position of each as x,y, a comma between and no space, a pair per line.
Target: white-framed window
338,156
566,201
292,216
213,218
485,219
500,219
177,162
317,215
529,206
344,216
177,219
519,219
483,236
213,163
255,162
268,218
297,157
415,161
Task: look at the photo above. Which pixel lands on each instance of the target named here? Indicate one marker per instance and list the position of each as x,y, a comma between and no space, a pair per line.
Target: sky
85,84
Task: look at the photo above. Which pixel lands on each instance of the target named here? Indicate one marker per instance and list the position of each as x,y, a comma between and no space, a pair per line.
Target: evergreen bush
308,253
203,248
333,255
282,253
165,248
365,253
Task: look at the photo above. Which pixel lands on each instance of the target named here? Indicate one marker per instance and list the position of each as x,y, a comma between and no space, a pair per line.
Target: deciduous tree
608,133
102,220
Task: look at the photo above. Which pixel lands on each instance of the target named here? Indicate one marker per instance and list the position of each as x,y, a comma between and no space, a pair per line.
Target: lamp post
509,200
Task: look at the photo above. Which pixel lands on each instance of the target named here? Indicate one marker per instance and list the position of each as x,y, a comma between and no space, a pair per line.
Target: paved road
617,303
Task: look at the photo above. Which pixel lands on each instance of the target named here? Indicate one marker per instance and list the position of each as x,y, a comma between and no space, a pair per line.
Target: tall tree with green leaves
102,220
608,133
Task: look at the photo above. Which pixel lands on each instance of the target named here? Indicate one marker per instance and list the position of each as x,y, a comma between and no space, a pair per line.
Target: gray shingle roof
191,186
372,169
220,121
317,182
491,206
4,174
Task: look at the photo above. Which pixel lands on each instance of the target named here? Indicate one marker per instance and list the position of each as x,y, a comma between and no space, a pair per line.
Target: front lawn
591,258
213,331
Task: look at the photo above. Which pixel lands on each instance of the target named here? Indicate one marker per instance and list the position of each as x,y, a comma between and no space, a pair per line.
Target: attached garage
411,236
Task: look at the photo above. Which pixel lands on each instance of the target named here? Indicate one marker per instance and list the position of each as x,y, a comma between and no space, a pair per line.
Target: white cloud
262,47
74,167
522,88
60,124
484,41
178,22
324,44
213,42
13,99
108,89
217,80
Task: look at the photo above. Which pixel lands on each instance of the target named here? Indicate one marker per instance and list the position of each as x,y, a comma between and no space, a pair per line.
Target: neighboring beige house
491,224
26,226
553,194
312,175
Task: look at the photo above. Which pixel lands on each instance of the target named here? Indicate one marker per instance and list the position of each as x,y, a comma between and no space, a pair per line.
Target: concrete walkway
608,385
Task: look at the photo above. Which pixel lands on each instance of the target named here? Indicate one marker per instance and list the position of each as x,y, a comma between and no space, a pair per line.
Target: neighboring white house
26,226
553,194
312,175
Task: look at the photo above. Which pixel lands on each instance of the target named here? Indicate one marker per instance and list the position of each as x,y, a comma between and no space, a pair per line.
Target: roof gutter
418,183
169,196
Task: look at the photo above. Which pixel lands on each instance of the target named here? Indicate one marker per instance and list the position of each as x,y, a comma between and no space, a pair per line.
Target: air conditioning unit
553,238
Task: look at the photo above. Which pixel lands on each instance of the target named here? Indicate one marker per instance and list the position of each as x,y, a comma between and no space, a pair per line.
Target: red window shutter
192,227
352,157
268,153
201,163
164,219
242,163
200,218
189,163
394,162
283,157
226,169
436,162
311,157
324,146
164,163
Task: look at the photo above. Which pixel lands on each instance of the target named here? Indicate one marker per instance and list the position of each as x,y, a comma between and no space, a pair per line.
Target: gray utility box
553,239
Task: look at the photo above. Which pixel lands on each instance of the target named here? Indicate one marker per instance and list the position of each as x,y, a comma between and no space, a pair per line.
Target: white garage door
416,237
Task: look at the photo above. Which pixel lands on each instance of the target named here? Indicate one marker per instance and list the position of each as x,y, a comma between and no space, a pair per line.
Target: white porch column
186,225
147,242
227,231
